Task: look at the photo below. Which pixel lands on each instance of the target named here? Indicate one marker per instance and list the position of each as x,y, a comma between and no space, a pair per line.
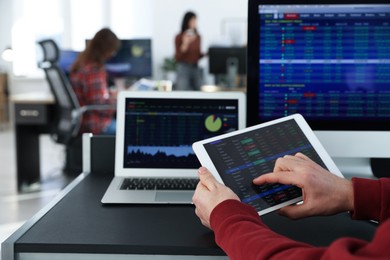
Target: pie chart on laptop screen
213,123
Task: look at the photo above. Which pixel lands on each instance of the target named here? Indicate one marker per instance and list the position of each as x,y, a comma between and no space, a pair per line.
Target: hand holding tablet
237,158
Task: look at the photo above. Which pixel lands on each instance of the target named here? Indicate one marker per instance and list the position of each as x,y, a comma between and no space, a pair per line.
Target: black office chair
68,112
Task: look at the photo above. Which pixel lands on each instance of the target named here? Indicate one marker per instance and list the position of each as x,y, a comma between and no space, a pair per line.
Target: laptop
154,160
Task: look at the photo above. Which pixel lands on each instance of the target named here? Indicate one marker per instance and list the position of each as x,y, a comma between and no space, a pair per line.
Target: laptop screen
159,132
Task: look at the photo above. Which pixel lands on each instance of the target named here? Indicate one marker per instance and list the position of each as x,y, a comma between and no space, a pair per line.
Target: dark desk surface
79,223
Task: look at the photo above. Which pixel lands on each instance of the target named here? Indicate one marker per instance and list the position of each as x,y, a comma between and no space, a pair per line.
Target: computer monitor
329,61
227,61
133,60
67,58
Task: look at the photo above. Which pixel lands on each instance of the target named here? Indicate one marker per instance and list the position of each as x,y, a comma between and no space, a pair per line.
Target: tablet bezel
206,161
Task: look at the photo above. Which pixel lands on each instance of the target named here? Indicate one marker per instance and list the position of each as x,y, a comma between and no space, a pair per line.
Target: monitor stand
354,167
364,167
380,167
231,72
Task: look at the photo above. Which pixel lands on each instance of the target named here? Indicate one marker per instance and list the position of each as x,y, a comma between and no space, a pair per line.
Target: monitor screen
132,60
328,61
67,58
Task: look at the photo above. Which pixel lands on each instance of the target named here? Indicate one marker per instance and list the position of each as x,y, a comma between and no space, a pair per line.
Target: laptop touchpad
173,197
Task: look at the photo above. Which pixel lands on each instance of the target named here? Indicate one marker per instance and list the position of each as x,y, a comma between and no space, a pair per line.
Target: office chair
68,112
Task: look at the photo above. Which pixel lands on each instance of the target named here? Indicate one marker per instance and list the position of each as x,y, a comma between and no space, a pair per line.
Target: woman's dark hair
186,20
98,49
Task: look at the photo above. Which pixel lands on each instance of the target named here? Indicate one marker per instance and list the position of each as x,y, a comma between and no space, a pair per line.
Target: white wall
132,18
157,19
5,30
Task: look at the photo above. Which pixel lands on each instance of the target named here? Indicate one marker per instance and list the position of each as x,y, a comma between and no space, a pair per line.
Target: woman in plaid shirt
89,81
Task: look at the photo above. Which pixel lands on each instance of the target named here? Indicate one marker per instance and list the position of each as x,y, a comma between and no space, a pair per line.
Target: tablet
236,158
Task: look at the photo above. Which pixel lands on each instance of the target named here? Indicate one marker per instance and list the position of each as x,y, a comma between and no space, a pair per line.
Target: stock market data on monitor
159,132
241,158
324,61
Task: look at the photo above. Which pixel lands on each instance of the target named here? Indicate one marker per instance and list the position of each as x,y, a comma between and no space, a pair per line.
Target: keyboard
159,184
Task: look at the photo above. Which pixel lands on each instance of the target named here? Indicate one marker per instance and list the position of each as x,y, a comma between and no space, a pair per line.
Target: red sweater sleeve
372,199
240,232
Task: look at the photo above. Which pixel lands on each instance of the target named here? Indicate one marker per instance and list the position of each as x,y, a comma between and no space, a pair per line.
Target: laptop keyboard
159,184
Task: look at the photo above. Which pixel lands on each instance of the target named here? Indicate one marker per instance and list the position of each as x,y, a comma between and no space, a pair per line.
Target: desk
3,99
77,226
80,225
32,116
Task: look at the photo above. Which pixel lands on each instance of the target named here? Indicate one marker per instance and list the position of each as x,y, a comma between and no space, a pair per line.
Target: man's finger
286,163
302,156
283,177
207,179
200,187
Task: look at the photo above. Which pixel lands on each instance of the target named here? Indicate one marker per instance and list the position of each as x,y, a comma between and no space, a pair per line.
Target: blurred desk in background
3,99
32,116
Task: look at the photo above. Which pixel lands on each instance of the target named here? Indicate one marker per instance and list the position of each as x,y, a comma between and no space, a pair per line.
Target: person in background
89,81
187,54
240,232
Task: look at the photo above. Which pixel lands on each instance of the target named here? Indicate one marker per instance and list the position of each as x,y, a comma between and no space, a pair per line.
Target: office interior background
70,23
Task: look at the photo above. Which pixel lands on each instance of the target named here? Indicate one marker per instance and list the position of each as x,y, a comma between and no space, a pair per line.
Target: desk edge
7,247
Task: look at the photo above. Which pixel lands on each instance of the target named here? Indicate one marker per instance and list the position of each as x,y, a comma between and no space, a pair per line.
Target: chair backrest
51,52
67,106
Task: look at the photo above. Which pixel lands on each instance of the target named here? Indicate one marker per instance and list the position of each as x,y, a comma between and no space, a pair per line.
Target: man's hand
208,194
323,192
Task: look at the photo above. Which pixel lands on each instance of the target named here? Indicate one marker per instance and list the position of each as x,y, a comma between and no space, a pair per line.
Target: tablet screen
241,158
